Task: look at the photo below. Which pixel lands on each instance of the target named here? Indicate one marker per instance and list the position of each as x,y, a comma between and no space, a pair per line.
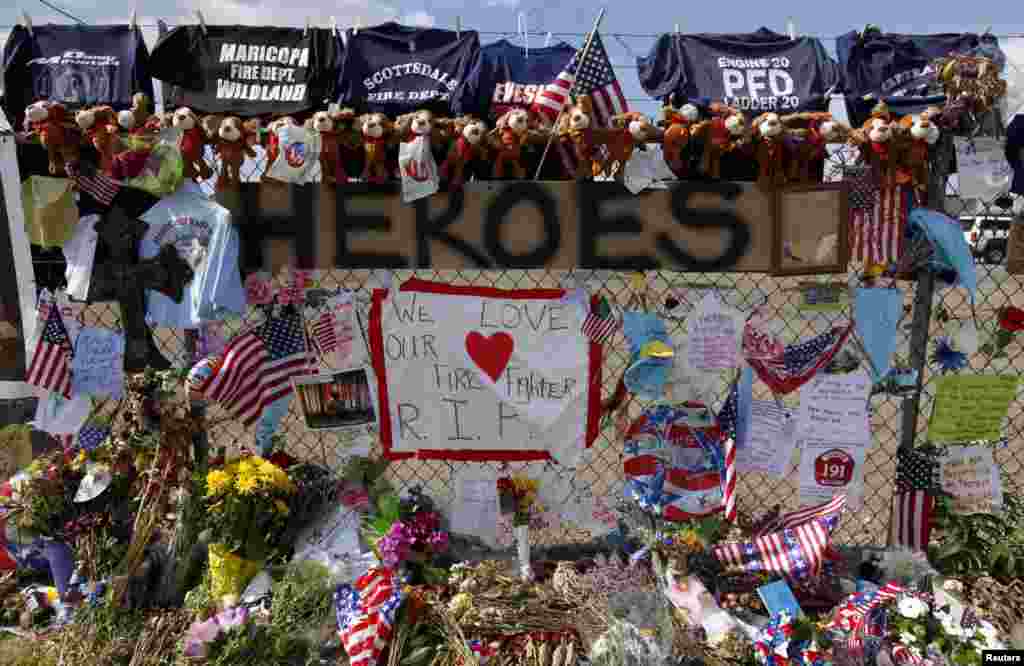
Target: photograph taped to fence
340,400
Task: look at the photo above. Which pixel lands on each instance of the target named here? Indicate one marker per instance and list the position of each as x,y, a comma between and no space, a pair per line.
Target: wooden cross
124,278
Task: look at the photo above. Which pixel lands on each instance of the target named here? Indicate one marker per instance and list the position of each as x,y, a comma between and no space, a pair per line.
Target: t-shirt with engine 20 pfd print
758,72
248,71
394,69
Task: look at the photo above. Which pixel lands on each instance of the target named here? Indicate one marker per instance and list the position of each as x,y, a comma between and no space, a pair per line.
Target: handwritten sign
829,468
835,406
475,509
482,374
982,168
98,365
714,333
971,408
971,476
769,440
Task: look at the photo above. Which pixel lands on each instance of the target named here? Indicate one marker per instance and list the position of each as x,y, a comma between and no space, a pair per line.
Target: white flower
953,585
911,608
991,635
907,638
951,626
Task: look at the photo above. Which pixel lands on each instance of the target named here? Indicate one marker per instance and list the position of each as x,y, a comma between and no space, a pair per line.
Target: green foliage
980,544
302,599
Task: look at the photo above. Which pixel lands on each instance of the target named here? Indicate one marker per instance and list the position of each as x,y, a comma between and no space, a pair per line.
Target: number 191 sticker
828,468
834,468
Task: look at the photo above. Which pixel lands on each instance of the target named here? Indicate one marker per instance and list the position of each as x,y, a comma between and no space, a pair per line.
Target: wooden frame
800,260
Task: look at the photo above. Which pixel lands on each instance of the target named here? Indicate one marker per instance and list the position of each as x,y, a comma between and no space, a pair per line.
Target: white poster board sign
984,173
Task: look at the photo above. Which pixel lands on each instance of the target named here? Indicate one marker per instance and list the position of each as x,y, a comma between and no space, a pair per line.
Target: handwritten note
98,365
982,168
835,407
714,334
971,408
475,509
335,535
769,442
505,371
971,476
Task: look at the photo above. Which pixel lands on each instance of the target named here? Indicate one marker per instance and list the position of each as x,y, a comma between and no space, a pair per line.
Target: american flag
796,553
100,187
324,333
258,367
51,363
596,77
366,613
917,484
878,219
860,615
794,519
601,322
729,414
91,436
800,362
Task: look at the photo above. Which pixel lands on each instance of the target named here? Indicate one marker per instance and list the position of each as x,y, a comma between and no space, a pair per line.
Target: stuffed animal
232,149
770,151
916,134
273,143
631,129
510,134
723,133
469,147
253,131
126,121
876,148
378,134
58,134
99,127
332,171
679,125
192,144
811,134
576,128
141,109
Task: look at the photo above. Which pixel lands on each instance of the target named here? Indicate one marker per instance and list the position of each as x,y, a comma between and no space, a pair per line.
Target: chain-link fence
786,303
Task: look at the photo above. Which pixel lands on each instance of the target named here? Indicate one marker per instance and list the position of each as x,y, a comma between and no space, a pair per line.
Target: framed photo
811,229
339,400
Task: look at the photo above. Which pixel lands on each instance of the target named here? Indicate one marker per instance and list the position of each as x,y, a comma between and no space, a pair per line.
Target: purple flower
200,635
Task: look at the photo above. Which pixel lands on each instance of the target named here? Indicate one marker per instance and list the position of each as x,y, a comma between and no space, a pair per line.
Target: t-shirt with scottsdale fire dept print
513,75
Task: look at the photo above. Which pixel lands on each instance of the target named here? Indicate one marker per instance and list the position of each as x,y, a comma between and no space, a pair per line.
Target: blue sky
627,31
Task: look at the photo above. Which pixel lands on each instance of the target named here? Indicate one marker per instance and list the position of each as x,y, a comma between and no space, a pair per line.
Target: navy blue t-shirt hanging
77,65
757,72
395,69
248,71
513,75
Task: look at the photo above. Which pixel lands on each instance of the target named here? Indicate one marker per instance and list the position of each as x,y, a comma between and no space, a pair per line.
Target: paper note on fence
713,336
769,440
982,168
830,468
834,407
971,476
98,365
475,509
971,408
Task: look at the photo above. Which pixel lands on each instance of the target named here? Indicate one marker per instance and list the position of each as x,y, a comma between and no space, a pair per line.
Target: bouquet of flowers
518,499
407,531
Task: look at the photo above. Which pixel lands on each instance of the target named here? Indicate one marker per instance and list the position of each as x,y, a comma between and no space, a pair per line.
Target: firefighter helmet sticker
834,468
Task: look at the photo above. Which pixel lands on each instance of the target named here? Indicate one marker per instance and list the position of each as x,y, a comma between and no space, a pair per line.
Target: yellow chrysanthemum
281,507
217,482
246,484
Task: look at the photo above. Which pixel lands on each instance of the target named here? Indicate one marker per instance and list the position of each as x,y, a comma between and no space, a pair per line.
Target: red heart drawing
490,354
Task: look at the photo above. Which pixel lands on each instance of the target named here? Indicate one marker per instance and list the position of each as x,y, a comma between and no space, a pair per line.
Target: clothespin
134,23
677,28
343,33
305,33
547,40
791,28
28,24
202,21
357,26
458,27
521,28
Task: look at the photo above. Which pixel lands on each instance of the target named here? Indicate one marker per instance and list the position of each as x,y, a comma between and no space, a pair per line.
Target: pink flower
356,499
257,290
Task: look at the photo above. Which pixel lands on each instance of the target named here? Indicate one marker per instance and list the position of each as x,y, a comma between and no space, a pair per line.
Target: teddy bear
470,146
511,132
875,142
58,134
99,128
678,126
576,128
916,133
141,108
273,143
332,171
630,130
724,132
232,149
377,135
811,134
770,150
253,131
192,144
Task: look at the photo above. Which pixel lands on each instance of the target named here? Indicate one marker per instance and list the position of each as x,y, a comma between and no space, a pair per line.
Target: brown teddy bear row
787,149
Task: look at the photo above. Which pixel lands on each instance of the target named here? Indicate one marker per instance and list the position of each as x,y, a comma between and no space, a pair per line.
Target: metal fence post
197,408
923,298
